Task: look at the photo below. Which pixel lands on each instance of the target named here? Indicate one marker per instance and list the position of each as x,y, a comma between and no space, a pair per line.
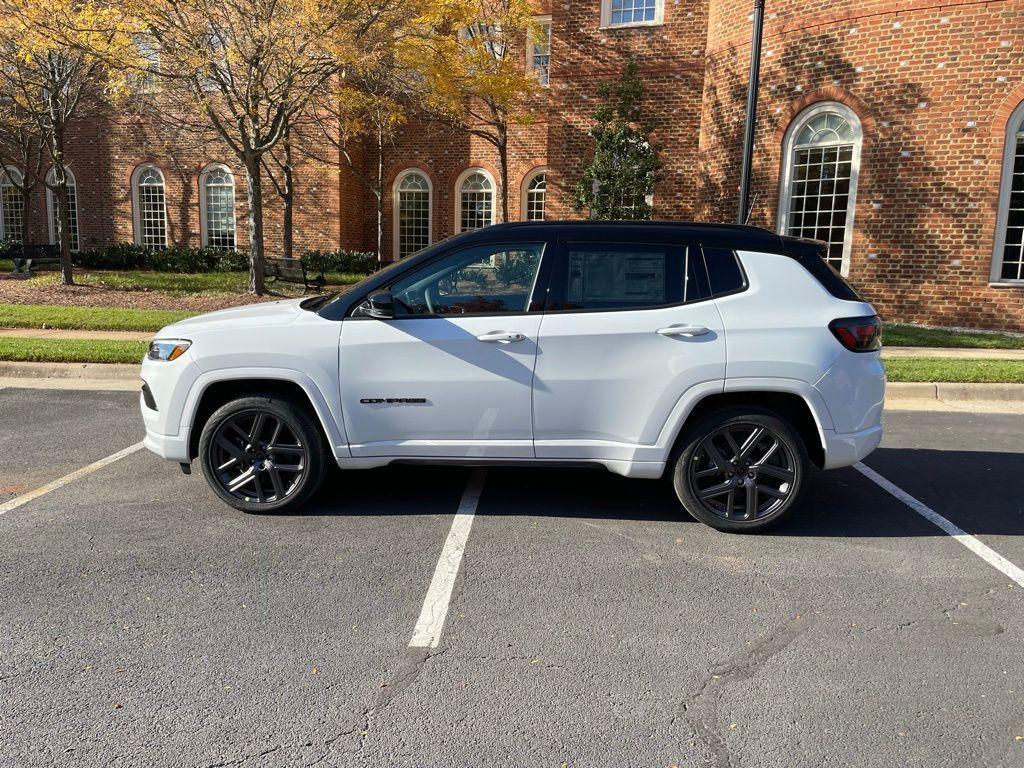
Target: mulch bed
23,292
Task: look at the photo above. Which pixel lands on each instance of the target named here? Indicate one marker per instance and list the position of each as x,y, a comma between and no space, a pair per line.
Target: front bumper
172,447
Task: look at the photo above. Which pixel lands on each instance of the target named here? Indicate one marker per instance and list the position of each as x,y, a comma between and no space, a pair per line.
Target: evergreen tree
619,180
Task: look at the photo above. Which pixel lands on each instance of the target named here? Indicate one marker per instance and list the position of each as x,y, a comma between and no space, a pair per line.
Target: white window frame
458,197
1014,128
136,202
395,206
786,177
51,209
606,17
525,189
204,226
545,23
16,180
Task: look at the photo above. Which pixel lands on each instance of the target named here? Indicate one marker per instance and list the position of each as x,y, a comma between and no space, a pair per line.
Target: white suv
729,356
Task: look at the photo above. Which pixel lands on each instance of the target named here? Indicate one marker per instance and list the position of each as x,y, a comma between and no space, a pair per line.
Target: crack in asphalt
246,758
700,707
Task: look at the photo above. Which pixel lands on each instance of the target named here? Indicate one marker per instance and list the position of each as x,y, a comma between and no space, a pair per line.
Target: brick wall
932,84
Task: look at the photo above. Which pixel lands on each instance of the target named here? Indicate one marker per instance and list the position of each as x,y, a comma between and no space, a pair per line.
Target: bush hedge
184,260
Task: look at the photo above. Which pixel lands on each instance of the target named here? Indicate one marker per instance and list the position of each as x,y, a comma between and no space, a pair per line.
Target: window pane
220,209
488,278
12,207
819,207
611,277
540,59
73,216
1013,250
413,214
535,193
152,210
476,203
632,11
724,271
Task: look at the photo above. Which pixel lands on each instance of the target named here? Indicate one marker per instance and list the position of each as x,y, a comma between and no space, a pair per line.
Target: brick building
894,130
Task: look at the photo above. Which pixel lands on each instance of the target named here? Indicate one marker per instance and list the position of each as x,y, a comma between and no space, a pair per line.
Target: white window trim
204,231
51,204
524,188
786,177
458,196
606,17
12,173
544,21
394,206
136,213
1014,127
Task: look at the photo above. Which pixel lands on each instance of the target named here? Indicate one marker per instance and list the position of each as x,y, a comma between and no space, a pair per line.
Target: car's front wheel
262,454
740,469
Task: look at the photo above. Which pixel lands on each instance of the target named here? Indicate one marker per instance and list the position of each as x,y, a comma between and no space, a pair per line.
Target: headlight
167,349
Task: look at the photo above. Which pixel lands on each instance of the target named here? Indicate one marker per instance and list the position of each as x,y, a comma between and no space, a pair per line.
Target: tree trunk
503,169
60,176
379,194
26,212
254,183
288,198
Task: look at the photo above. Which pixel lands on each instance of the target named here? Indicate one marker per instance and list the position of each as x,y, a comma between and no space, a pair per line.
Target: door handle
501,337
684,330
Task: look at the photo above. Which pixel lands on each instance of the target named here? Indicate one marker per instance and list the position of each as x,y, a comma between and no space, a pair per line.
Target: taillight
858,334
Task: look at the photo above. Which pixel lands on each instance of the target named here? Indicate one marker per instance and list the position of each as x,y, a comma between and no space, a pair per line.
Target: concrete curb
94,371
956,393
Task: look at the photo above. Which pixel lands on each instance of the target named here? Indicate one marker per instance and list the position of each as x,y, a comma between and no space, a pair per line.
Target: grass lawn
86,318
72,351
897,335
962,371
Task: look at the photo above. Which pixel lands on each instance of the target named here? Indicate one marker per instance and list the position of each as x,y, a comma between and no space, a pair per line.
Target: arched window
1008,259
12,205
411,194
217,207
150,207
534,191
53,208
821,156
476,200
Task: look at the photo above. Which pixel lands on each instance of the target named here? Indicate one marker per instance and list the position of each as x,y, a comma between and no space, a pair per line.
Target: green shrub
118,256
176,259
356,262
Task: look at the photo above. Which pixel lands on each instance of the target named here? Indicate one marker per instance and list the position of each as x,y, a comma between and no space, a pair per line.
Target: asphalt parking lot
591,623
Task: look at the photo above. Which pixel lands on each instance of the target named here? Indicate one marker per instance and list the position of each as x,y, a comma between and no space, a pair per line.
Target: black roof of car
734,236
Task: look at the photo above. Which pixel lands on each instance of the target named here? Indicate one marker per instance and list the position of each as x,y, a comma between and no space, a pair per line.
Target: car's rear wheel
262,454
740,469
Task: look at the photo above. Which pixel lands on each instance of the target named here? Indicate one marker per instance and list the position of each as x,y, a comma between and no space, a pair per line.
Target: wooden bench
293,271
25,257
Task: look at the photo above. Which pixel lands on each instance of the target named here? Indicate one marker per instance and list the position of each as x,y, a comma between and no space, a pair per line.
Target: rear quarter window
724,271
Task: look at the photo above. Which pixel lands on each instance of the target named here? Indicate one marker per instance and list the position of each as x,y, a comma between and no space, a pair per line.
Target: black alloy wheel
742,471
262,454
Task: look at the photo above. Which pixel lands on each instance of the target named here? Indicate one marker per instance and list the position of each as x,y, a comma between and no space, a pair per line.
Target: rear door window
604,276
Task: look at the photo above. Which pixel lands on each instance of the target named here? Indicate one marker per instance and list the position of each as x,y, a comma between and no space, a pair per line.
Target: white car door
450,375
628,329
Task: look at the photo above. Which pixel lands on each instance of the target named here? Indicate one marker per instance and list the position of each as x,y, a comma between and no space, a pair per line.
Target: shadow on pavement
976,490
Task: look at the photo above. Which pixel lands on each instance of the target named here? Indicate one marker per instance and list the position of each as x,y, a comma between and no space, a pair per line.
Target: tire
767,476
298,458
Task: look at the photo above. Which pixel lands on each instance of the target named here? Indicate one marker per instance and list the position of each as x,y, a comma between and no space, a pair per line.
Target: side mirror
382,305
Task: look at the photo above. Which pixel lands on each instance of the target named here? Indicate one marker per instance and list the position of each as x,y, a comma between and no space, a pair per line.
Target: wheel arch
793,406
212,391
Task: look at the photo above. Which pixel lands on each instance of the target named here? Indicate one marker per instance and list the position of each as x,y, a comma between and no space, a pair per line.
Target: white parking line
427,633
986,553
25,498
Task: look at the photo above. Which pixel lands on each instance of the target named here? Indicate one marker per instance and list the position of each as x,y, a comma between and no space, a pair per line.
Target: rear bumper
846,449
